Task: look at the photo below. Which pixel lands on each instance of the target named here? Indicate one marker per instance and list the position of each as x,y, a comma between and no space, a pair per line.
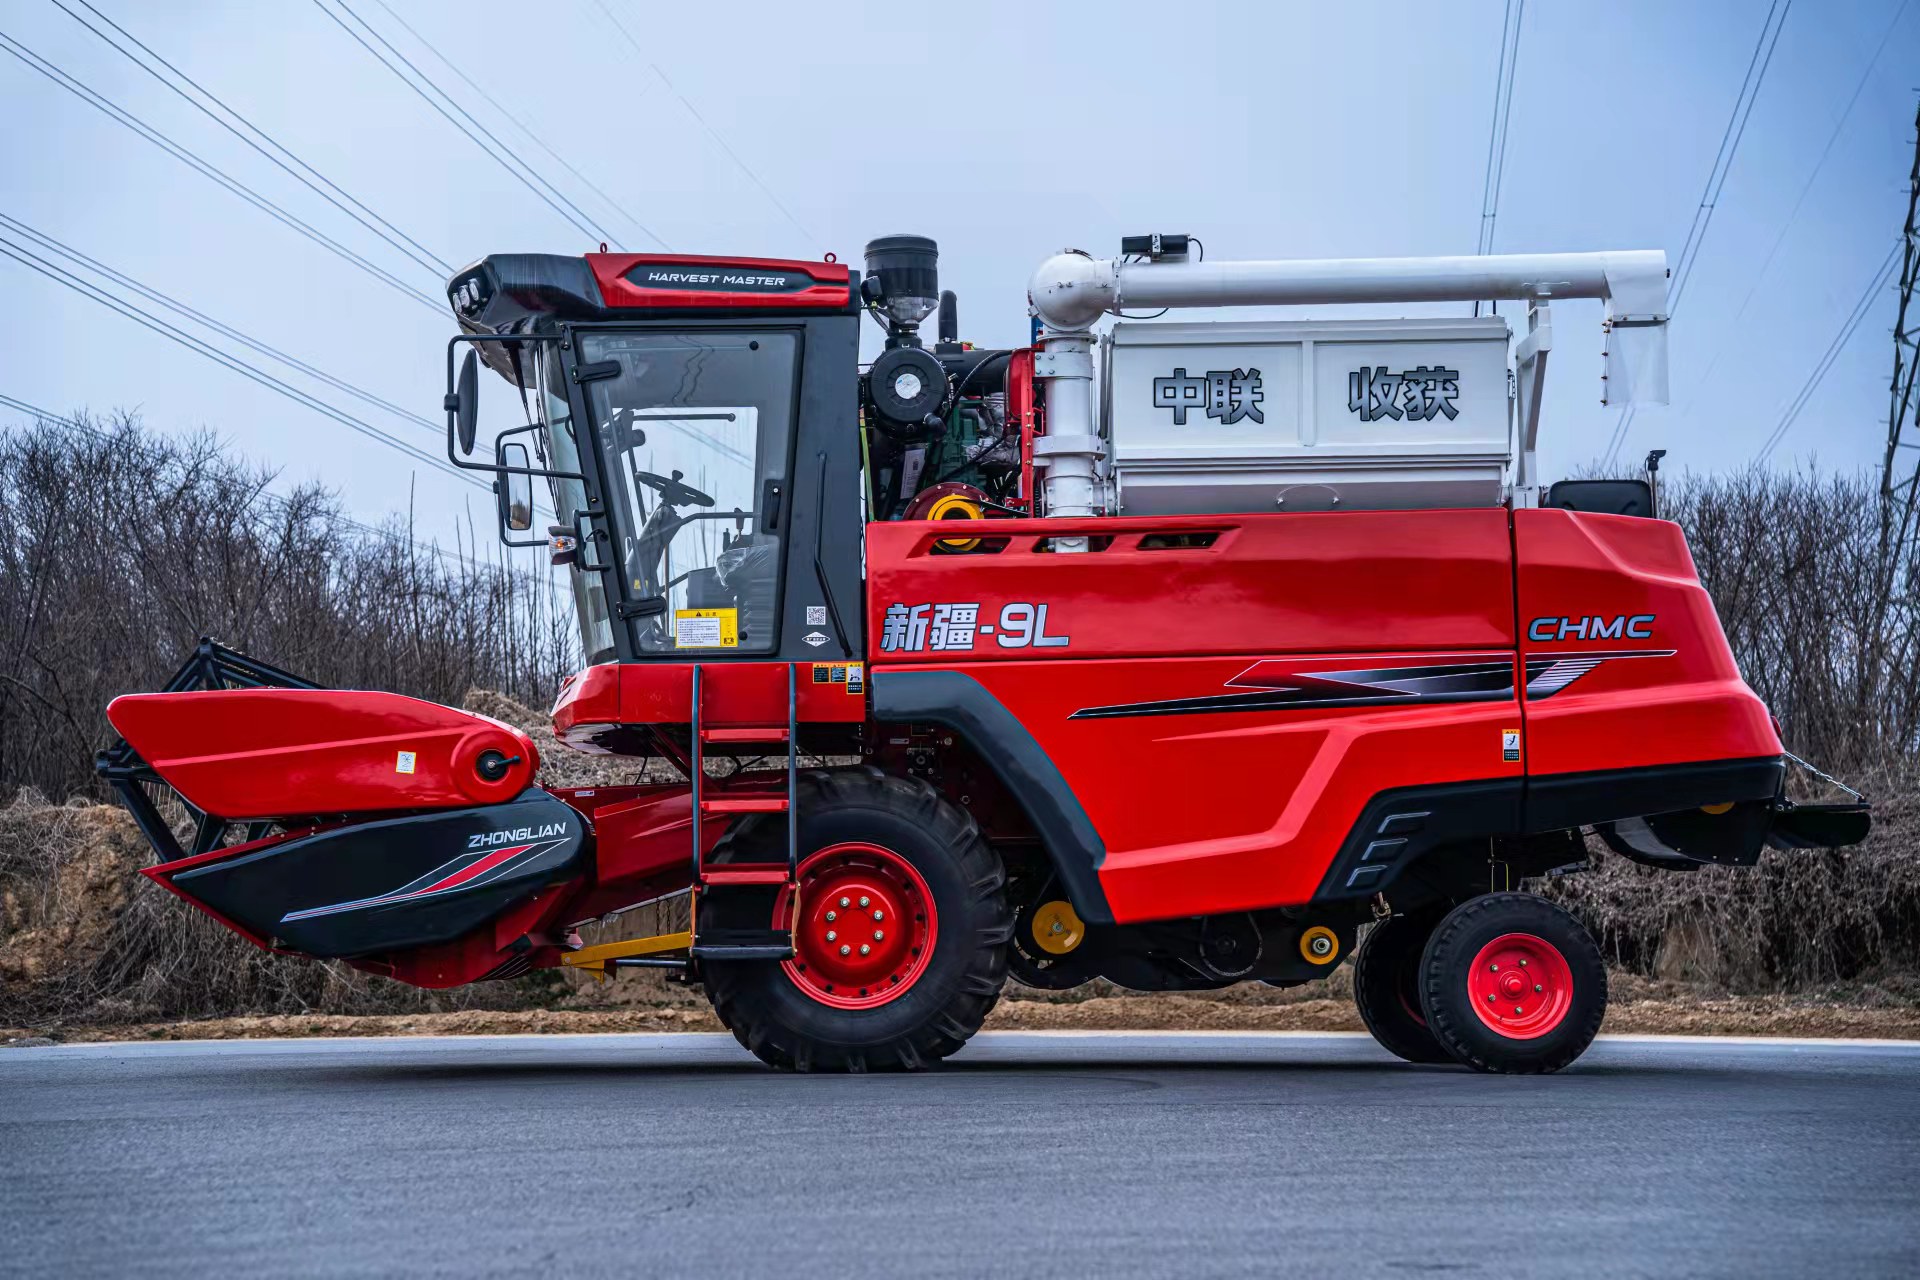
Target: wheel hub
866,926
1521,986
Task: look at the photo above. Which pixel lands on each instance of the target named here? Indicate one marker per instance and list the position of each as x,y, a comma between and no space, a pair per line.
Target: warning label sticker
706,628
1510,745
850,676
403,762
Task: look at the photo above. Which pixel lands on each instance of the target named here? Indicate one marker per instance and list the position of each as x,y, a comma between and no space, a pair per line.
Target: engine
938,439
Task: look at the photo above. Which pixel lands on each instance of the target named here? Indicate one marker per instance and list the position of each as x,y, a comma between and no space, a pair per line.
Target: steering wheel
671,491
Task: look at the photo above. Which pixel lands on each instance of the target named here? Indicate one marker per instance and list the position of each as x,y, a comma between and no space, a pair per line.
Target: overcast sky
1005,131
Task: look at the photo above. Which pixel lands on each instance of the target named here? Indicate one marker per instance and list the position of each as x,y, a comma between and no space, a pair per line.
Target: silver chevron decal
1548,674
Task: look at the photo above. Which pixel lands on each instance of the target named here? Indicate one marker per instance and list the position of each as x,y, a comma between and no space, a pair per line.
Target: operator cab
677,408
706,435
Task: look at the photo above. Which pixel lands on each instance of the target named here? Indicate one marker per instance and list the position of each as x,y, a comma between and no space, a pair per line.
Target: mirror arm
452,399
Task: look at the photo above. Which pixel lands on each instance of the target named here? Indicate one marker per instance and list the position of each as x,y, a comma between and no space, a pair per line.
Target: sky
1006,131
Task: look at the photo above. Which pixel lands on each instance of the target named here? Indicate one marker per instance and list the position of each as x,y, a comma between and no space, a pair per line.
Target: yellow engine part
1057,929
1717,809
956,506
1320,945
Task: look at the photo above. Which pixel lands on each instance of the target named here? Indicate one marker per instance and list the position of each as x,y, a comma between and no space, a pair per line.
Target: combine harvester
1171,656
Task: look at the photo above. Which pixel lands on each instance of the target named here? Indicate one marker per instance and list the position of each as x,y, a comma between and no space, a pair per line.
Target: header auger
1170,652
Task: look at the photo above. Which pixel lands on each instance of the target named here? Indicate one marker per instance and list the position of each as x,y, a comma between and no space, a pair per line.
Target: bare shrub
120,549
1816,596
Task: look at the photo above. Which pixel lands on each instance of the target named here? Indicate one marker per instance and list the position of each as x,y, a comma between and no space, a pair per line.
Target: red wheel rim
866,928
1521,986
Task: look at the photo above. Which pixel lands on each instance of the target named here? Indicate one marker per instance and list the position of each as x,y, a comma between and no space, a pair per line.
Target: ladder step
744,875
743,944
746,733
721,951
743,804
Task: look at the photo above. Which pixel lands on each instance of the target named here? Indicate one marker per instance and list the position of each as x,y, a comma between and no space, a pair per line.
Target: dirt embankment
1639,1007
1824,944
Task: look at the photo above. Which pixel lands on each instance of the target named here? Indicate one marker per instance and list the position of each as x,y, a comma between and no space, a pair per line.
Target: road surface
1032,1154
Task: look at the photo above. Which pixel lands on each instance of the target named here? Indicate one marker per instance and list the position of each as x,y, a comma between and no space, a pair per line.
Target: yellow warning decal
706,628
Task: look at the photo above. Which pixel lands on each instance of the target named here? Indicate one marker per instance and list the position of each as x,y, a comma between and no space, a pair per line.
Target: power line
180,308
1503,80
1716,180
60,275
1882,274
521,125
46,241
406,244
572,212
702,121
1760,273
127,119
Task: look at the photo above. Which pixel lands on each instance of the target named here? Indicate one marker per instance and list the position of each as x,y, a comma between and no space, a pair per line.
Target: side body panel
1222,712
1627,667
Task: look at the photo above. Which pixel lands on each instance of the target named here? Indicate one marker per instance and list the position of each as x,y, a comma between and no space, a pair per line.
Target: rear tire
916,851
1512,983
1386,987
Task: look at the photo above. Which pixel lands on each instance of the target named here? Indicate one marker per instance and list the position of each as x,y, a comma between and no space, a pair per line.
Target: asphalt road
1030,1155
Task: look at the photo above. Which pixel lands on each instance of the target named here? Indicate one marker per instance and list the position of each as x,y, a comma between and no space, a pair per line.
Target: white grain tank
1349,415
1174,426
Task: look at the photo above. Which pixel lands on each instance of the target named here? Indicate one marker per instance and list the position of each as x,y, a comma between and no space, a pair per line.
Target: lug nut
1538,987
1523,964
1494,967
845,903
865,901
832,916
1489,997
845,950
1516,1008
865,949
879,914
879,936
833,935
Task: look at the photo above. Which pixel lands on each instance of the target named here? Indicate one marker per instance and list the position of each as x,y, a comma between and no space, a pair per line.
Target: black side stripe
1376,687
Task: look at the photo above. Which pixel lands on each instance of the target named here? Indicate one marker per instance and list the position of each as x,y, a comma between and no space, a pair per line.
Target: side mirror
513,493
464,403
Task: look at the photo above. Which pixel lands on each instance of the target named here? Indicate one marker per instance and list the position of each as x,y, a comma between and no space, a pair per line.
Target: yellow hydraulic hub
594,959
1717,809
1320,945
956,506
1057,929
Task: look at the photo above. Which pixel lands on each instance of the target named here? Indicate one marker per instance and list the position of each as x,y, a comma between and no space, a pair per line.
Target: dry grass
1797,921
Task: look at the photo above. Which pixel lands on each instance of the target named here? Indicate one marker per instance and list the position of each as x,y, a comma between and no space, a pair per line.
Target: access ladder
711,800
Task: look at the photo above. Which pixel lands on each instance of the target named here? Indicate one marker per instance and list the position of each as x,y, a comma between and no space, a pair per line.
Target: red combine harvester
1171,654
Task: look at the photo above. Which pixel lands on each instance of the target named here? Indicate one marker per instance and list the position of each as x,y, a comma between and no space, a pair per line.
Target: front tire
1386,987
916,979
1512,983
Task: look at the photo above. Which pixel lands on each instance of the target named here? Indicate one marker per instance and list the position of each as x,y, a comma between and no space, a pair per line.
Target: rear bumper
1736,805
1556,802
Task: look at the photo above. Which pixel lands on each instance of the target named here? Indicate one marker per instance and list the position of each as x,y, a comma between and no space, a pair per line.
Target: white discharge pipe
1070,291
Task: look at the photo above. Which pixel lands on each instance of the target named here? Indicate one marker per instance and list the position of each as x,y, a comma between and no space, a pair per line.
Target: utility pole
1900,477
